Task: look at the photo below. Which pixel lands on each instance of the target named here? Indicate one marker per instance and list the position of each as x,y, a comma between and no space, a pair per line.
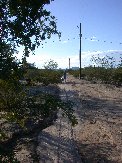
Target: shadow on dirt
109,114
88,103
59,148
96,153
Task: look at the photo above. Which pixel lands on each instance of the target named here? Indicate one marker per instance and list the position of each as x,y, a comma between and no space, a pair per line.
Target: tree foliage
51,65
9,66
106,61
22,23
26,23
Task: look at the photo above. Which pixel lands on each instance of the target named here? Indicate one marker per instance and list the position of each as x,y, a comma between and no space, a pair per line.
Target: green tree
23,23
120,62
26,23
9,66
106,61
108,71
51,65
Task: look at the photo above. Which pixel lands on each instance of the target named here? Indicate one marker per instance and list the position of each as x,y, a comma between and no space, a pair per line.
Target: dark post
80,50
69,63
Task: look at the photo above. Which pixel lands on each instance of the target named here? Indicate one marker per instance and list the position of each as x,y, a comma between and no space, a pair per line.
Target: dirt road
56,144
99,112
98,136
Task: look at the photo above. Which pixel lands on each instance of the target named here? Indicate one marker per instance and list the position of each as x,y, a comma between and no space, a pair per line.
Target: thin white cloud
63,62
86,57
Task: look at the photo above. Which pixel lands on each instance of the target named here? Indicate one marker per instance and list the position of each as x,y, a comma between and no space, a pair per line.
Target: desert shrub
106,75
45,76
44,105
10,93
18,105
117,76
7,157
106,70
89,72
32,74
51,65
13,101
76,73
50,76
98,73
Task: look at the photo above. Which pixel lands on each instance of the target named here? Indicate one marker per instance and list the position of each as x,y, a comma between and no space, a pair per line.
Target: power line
88,39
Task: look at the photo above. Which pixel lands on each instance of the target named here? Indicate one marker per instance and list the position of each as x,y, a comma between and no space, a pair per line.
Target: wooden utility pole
80,50
69,63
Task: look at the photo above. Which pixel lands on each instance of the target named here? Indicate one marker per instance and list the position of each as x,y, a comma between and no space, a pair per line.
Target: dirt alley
98,136
99,113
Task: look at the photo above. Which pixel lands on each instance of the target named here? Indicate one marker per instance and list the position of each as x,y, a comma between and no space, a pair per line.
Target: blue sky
101,30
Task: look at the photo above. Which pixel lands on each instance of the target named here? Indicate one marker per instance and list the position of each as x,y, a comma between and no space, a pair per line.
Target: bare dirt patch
99,112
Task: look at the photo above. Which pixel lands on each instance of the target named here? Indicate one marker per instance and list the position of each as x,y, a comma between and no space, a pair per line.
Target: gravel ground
96,139
99,113
56,143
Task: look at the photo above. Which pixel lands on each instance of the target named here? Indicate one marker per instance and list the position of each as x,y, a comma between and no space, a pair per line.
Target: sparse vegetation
28,24
106,71
21,21
44,76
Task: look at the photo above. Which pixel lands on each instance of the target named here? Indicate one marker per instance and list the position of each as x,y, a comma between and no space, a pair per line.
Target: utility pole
80,50
69,63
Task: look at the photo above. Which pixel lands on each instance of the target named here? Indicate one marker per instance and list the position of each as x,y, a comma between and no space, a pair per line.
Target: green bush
44,76
76,73
117,76
11,94
98,73
18,105
106,75
50,76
